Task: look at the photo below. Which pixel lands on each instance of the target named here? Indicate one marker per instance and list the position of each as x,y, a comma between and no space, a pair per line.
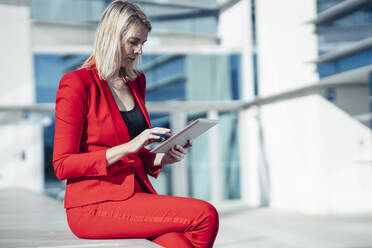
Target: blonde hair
112,32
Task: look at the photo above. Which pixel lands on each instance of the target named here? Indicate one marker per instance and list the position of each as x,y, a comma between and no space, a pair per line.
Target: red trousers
169,221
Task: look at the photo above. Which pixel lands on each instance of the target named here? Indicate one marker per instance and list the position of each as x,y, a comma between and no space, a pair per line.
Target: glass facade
199,77
170,18
345,63
345,29
337,35
70,11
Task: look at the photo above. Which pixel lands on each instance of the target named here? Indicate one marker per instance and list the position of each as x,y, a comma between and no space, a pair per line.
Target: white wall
21,148
285,44
16,83
22,162
311,146
319,158
312,157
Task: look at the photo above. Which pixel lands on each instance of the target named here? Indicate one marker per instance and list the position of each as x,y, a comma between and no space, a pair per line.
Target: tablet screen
190,132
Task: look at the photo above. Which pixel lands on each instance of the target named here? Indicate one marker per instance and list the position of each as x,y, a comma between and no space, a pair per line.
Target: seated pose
101,130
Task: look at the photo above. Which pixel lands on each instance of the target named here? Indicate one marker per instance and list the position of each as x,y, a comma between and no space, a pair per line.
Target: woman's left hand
175,154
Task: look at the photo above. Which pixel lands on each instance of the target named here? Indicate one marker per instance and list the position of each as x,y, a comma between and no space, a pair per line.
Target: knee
206,225
211,213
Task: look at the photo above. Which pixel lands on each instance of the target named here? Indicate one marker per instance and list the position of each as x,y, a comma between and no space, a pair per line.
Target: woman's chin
127,63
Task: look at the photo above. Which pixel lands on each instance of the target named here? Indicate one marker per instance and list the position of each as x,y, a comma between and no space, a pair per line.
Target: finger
172,152
188,145
180,149
155,138
177,158
161,130
176,150
177,153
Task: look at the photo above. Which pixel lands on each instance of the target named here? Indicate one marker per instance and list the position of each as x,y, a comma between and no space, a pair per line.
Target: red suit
116,201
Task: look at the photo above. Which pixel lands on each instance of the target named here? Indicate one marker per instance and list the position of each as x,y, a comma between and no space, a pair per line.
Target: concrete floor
266,228
28,219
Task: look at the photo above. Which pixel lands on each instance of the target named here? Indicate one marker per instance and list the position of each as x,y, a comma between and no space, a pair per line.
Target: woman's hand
175,154
148,136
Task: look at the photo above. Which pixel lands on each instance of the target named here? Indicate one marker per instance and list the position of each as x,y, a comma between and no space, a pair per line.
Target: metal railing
179,110
205,106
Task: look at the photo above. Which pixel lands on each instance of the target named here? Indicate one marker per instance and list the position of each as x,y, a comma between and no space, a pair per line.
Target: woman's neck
119,82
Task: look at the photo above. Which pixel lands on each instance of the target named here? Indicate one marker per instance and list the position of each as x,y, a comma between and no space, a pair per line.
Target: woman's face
132,47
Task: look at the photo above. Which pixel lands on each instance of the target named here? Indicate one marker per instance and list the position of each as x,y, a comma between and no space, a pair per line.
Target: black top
134,120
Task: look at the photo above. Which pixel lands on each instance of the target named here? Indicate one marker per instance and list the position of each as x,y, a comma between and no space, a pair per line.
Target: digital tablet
190,132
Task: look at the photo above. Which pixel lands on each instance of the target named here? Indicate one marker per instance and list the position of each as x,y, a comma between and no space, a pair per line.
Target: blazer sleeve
71,111
146,156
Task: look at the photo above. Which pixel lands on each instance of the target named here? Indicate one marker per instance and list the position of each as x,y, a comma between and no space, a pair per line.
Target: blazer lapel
121,130
122,134
140,102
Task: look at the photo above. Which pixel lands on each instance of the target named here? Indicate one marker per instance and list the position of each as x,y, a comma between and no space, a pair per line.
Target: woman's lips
129,60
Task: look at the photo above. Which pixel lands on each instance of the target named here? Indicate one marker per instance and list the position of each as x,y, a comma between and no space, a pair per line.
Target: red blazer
88,122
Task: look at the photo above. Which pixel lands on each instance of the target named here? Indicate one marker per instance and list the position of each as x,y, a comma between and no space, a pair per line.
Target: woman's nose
139,50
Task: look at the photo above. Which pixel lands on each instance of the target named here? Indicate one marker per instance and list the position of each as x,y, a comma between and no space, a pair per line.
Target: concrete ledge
29,219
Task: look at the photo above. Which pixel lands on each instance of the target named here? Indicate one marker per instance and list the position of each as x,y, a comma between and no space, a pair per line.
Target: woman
101,130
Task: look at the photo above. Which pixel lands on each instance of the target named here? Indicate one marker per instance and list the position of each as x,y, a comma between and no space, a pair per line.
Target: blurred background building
290,82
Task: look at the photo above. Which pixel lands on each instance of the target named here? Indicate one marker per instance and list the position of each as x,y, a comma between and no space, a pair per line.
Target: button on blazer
88,122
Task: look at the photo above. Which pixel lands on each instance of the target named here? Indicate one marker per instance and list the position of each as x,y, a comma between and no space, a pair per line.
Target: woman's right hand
148,136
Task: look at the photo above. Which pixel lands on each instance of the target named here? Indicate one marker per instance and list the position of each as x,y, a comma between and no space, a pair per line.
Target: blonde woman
102,128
